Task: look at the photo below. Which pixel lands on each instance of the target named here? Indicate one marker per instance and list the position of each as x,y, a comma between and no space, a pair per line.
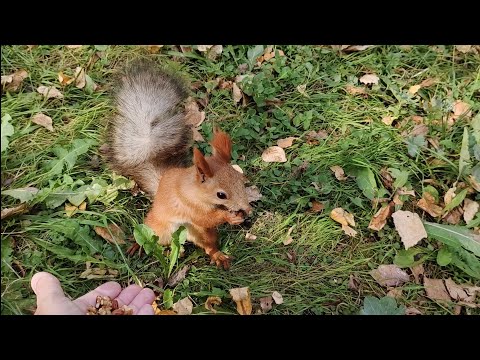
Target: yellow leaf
241,296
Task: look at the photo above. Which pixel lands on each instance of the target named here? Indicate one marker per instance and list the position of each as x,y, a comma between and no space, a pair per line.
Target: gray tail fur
149,132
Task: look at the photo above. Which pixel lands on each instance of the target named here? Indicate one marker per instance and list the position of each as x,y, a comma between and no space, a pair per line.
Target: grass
313,272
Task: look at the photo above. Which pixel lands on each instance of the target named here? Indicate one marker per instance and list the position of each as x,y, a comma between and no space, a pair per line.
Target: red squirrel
151,143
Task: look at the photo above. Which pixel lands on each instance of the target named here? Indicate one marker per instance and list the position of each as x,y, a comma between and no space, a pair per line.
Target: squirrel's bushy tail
149,131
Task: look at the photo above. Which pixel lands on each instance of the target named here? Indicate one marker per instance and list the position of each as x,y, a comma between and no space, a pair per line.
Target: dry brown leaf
410,227
474,183
12,82
241,296
250,237
395,293
183,307
266,304
427,203
428,82
418,272
457,292
203,48
380,218
388,120
302,89
224,84
197,136
73,46
349,231
355,90
269,55
178,276
449,195
212,300
80,77
343,217
390,275
435,289
453,217
253,194
470,208
193,115
117,236
419,130
369,79
386,178
274,154
65,79
414,89
49,92
285,143
214,51
70,209
237,168
237,93
317,207
339,173
165,312
412,311
43,120
288,240
8,212
460,108
464,48
277,297
353,283
351,48
434,142
98,273
153,49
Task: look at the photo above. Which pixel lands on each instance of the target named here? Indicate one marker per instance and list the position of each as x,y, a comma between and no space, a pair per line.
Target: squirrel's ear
203,170
222,145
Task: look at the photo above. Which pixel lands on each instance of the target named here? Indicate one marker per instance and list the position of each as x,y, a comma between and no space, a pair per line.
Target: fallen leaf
457,310
65,79
343,217
43,120
50,92
203,48
154,49
349,231
369,79
117,236
453,217
386,178
165,312
98,273
395,293
355,90
380,218
474,183
266,304
241,296
414,89
212,300
237,168
285,143
428,82
196,135
214,51
390,275
470,208
418,130
412,311
288,239
457,292
73,46
250,237
410,227
70,209
418,272
183,307
193,115
302,89
12,82
9,212
339,173
427,203
317,207
253,194
353,283
185,49
351,48
277,297
237,93
274,154
388,120
449,195
178,276
464,48
460,108
435,289
80,80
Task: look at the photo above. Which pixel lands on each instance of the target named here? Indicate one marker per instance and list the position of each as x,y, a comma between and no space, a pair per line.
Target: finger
46,287
146,310
128,294
110,289
144,297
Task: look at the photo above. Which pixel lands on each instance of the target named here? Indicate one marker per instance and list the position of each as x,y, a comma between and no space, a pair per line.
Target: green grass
313,278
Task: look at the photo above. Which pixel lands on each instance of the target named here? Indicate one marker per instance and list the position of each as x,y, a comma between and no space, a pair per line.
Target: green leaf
63,252
168,299
476,128
178,239
89,245
7,131
57,197
101,47
414,144
401,177
384,306
444,256
146,238
7,250
432,191
366,182
406,258
254,53
23,194
466,261
68,157
454,236
89,85
457,200
463,166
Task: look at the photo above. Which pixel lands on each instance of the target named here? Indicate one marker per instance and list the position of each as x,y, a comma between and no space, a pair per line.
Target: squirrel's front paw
220,259
235,218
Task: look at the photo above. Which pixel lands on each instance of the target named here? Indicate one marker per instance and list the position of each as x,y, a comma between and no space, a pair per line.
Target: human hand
51,299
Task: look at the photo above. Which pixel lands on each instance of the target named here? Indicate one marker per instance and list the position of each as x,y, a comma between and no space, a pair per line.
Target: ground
298,90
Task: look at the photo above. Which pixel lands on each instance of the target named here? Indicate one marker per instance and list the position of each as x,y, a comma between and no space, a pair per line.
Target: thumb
46,287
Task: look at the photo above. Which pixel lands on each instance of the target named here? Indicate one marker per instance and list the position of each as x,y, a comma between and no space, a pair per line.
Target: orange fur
222,145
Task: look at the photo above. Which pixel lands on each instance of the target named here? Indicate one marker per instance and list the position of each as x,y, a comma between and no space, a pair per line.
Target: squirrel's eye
221,195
